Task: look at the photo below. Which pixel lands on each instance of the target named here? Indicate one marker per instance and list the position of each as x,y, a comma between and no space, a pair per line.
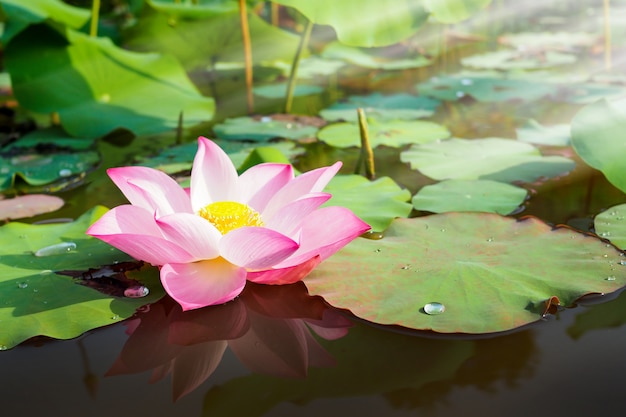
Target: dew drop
3,347
405,267
265,119
467,81
137,291
22,285
622,263
443,230
460,94
605,234
58,249
45,272
115,317
490,239
372,235
377,250
611,278
434,308
65,172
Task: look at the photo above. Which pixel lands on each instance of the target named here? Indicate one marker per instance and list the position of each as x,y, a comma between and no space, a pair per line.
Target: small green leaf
377,202
497,159
469,195
383,108
36,300
490,273
394,133
598,138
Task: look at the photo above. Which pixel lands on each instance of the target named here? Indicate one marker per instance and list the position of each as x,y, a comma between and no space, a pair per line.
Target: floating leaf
368,58
49,139
495,159
611,224
486,88
534,132
280,90
263,128
544,40
598,138
21,14
29,206
377,202
195,9
469,195
394,133
97,87
383,108
490,273
587,93
513,59
365,22
453,11
36,300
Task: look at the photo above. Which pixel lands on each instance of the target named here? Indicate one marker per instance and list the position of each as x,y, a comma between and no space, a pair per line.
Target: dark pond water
262,356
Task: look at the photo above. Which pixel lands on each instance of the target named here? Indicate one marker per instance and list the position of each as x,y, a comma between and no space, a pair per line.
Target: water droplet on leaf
65,172
58,249
22,285
137,291
434,308
611,278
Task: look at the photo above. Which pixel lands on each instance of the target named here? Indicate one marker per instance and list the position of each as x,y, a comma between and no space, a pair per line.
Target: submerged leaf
383,108
490,273
35,300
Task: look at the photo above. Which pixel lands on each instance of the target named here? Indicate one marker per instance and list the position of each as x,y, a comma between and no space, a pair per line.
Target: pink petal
204,283
256,247
133,230
260,182
213,176
151,189
288,218
287,275
324,232
193,233
310,182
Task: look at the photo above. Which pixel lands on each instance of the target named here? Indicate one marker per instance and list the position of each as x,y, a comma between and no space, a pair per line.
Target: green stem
179,129
95,12
274,13
293,75
367,154
607,34
247,50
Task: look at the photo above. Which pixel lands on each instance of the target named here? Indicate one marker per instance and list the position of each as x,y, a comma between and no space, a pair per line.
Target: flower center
230,215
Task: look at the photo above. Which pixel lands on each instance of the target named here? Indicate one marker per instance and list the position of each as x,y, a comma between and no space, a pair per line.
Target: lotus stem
274,16
293,75
367,154
95,13
179,129
247,50
607,34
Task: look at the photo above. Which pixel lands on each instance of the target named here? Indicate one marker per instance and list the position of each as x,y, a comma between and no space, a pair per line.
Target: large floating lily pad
589,92
534,132
598,138
383,108
97,87
542,40
482,272
369,58
377,202
394,133
469,195
28,206
260,129
36,300
510,59
496,159
485,87
280,90
49,139
453,11
611,225
365,22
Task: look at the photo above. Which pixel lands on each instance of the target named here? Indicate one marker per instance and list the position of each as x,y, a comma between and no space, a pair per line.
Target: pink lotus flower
264,226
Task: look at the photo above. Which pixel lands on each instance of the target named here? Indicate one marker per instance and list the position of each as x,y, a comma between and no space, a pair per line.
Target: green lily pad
608,315
513,59
383,108
485,88
49,139
453,11
39,168
365,22
367,58
534,132
543,40
280,90
587,93
469,195
598,138
194,9
482,273
611,225
97,87
28,206
377,202
36,300
394,133
261,129
21,14
497,159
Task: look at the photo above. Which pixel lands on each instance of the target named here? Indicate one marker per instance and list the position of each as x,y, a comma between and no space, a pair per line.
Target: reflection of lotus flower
268,328
264,226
